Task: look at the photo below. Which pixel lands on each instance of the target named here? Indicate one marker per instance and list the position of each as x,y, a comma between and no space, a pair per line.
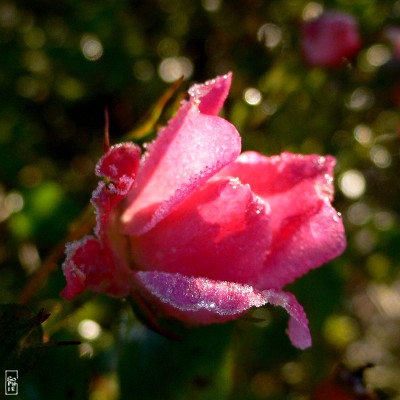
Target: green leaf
198,367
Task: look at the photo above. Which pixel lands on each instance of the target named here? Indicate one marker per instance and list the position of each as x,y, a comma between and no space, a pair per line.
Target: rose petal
305,243
298,331
205,301
191,149
212,94
119,165
275,175
306,230
119,161
90,265
221,231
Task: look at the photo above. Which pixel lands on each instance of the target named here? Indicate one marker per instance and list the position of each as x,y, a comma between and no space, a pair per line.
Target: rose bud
198,232
330,40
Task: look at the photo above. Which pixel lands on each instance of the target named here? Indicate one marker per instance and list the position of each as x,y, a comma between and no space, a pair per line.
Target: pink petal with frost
306,230
119,165
212,94
191,149
206,301
303,243
119,161
298,331
221,231
90,265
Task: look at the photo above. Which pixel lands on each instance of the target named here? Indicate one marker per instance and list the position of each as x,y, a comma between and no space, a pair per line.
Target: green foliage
20,336
197,367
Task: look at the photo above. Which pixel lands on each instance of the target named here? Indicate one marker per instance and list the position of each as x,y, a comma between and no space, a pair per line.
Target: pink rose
330,40
196,231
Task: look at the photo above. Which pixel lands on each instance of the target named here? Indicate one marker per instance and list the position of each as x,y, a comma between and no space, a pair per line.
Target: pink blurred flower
198,231
393,34
330,40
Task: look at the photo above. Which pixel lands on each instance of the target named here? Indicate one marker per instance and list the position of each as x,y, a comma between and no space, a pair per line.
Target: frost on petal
303,243
306,230
191,149
212,94
106,197
221,231
206,301
90,265
119,161
119,166
298,331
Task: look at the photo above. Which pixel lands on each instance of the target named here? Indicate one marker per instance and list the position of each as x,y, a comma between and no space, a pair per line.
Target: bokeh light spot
252,96
352,183
361,99
13,202
312,10
91,47
293,373
380,156
270,35
172,68
168,47
9,14
211,5
377,55
378,265
386,298
359,213
29,257
365,240
363,134
143,70
70,88
35,38
10,203
89,329
384,220
339,330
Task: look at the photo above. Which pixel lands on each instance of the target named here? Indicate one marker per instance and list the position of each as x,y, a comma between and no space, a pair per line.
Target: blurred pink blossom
202,233
393,34
330,40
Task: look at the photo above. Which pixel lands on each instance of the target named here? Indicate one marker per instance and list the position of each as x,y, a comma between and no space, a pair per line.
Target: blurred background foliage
64,61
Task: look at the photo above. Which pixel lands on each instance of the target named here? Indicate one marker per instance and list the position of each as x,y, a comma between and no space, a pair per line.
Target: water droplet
336,217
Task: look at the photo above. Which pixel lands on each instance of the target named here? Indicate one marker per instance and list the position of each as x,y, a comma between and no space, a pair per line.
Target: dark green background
52,102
